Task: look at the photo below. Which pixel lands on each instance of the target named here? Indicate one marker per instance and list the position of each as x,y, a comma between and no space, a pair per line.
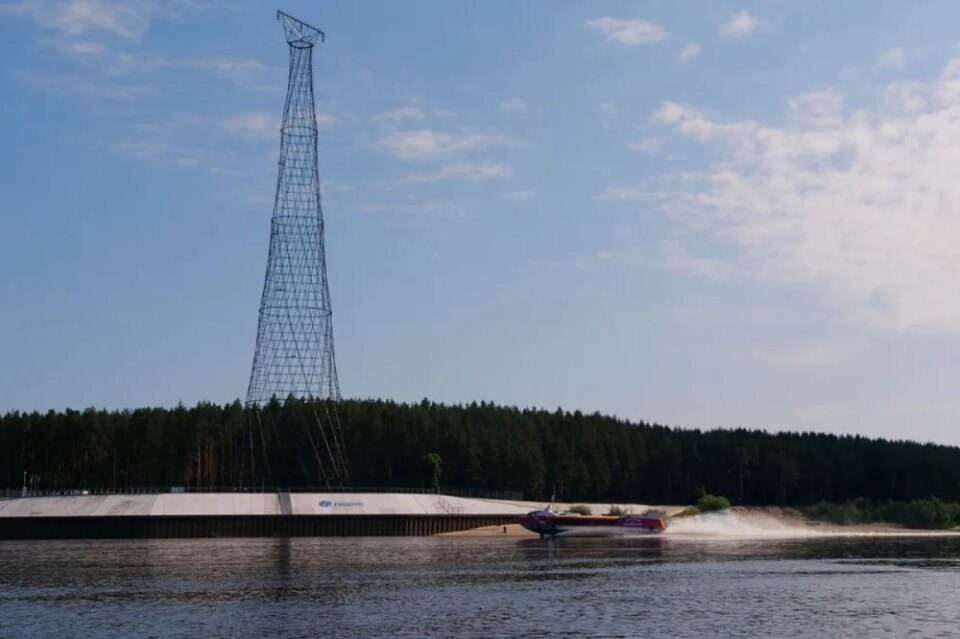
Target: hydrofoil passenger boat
547,522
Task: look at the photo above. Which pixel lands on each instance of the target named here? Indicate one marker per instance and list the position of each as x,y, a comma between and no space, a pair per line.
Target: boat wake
734,525
758,525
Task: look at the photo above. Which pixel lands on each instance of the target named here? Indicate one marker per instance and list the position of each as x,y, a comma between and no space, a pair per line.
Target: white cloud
398,115
445,114
69,84
178,141
425,144
171,141
615,194
264,126
416,213
690,52
325,119
669,255
739,25
674,257
524,195
127,19
462,171
607,113
862,206
160,151
247,74
515,105
904,95
614,255
82,47
694,123
627,31
651,146
471,171
812,355
77,25
824,107
892,59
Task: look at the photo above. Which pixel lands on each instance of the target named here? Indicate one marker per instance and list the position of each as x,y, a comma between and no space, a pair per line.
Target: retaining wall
138,527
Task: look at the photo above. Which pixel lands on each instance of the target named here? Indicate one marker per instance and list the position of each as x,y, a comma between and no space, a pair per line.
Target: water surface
482,587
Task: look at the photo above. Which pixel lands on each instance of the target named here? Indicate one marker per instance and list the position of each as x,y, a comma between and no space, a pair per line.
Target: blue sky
699,213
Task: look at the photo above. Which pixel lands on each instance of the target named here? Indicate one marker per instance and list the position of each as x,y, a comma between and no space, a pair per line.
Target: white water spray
734,525
729,524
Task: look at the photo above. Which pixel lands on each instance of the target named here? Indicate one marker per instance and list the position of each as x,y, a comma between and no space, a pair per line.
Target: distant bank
374,514
541,454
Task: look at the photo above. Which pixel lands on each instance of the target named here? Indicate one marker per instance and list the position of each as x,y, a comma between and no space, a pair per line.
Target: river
669,586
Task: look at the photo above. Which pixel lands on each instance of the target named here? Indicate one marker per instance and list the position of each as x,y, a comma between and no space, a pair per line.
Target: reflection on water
480,587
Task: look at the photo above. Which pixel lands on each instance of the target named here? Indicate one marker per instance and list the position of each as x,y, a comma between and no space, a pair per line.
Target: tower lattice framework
294,353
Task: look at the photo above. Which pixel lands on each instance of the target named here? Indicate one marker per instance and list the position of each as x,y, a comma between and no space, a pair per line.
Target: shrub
845,514
711,503
580,509
921,513
617,511
953,511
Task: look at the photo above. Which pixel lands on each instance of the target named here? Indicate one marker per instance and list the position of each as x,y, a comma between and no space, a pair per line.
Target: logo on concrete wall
326,503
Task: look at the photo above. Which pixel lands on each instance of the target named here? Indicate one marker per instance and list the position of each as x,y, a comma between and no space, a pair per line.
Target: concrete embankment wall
247,515
140,527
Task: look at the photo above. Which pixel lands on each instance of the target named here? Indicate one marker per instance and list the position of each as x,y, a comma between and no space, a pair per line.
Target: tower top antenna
299,33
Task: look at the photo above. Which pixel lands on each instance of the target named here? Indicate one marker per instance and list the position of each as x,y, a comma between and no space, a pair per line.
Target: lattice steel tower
294,353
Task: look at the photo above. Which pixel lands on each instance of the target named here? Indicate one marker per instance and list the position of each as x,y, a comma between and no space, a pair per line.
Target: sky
703,214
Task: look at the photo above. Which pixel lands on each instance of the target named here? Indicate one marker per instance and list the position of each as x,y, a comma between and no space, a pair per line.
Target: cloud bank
862,205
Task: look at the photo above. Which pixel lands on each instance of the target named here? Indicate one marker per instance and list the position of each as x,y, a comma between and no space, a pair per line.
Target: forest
569,456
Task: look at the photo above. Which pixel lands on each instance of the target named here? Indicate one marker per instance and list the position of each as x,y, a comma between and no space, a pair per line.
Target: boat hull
607,526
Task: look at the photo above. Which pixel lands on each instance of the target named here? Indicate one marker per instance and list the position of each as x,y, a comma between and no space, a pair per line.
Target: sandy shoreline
510,530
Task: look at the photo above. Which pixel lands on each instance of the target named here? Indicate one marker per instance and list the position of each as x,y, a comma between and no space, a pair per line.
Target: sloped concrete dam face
246,515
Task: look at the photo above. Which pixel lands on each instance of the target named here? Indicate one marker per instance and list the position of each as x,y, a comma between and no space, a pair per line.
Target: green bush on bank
708,503
930,513
580,509
704,502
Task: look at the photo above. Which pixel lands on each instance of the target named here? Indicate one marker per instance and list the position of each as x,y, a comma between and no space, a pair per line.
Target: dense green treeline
571,456
918,513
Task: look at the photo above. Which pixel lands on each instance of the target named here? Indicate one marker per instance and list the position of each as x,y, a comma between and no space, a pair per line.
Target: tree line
567,456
